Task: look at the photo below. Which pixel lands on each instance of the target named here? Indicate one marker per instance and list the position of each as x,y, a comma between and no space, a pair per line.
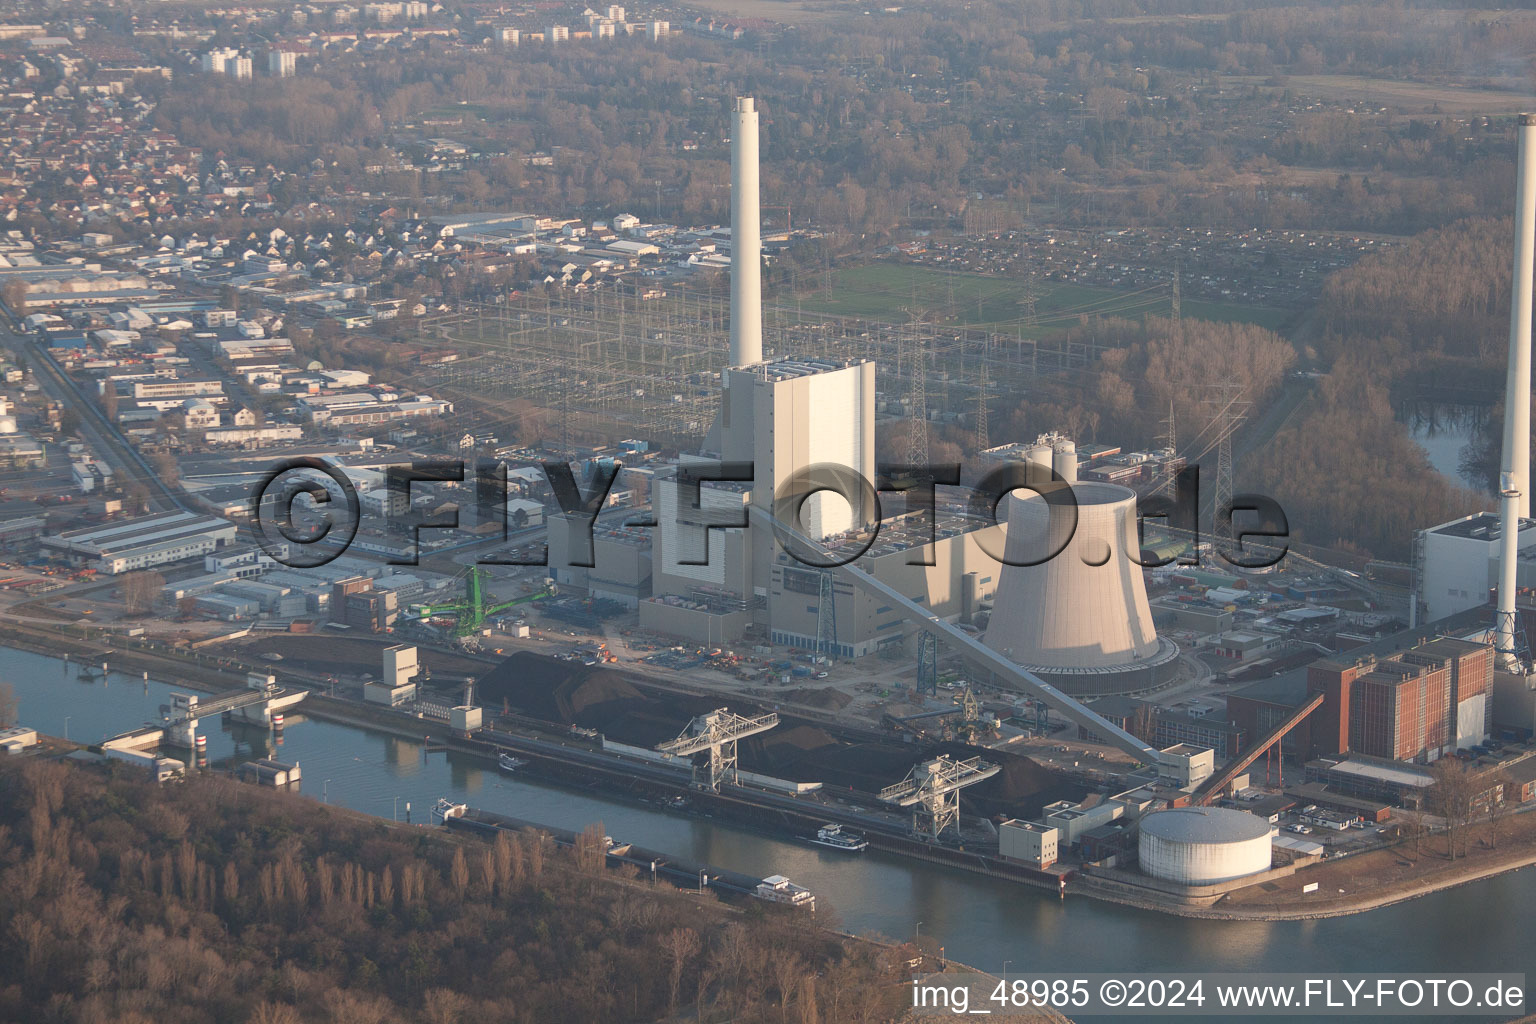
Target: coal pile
623,708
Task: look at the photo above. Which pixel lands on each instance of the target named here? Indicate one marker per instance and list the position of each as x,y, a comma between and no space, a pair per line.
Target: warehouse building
143,542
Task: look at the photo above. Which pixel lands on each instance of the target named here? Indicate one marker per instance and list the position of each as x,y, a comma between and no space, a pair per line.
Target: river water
1485,926
1444,430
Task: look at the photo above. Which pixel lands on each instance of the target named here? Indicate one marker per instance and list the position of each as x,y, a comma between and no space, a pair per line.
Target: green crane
471,611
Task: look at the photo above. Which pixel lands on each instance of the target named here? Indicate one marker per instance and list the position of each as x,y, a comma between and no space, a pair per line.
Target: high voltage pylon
1226,420
917,438
1176,310
982,443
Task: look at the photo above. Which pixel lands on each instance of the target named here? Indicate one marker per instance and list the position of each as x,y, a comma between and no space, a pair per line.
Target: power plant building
1415,704
1457,564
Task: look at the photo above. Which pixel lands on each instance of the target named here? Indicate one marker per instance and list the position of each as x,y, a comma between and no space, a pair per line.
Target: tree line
215,900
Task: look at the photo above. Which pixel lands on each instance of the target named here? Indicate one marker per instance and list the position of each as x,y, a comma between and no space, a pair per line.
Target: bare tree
787,968
140,590
1498,805
1450,797
1143,723
444,1006
15,297
679,946
1412,830
275,1013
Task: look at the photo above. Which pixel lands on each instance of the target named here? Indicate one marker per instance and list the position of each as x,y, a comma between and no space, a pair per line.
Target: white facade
392,696
1072,820
282,63
681,542
1458,563
146,541
1204,845
400,665
1028,841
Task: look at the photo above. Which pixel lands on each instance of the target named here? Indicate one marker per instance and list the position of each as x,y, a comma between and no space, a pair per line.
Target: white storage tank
1204,845
1064,460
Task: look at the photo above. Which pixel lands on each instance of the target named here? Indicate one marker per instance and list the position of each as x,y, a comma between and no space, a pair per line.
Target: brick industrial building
1414,704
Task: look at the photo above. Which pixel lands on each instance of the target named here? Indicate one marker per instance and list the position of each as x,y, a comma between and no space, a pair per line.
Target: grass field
787,12
887,291
1406,97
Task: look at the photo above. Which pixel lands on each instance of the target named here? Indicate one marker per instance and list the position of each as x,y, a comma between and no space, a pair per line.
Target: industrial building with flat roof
145,541
1416,702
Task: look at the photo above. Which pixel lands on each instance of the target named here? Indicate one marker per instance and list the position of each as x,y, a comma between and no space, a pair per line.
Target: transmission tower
917,439
826,618
982,442
927,664
1177,313
1172,440
1028,300
1228,415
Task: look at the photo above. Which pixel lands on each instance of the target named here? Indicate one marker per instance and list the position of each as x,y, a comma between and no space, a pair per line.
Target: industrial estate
984,543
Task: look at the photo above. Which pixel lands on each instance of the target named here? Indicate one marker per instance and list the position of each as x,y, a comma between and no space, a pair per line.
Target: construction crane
471,610
717,733
932,790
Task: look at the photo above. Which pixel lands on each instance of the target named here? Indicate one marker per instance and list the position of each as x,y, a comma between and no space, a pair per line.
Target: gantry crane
932,790
716,732
471,610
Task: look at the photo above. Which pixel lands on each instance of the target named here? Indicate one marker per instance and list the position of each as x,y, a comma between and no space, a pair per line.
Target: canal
1483,926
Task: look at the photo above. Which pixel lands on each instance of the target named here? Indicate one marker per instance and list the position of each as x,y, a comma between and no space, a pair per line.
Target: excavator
471,611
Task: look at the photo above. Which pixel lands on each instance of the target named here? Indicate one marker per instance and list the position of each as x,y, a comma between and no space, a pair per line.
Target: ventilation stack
746,239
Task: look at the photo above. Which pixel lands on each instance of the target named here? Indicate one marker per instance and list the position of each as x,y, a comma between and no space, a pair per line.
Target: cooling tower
1081,618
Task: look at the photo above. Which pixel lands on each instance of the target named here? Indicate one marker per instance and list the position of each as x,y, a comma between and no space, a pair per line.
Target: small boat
509,763
446,809
833,836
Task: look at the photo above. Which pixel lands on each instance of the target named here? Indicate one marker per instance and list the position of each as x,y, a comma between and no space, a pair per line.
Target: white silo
1064,460
1080,617
1038,461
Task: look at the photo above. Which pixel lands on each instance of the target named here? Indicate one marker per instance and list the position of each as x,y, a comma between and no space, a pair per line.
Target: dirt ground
1387,876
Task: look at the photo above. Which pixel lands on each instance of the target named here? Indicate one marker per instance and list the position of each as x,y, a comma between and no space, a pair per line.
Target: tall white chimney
746,240
1514,477
1517,388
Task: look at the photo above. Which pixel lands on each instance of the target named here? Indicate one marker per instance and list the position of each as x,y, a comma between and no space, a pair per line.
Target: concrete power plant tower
1515,469
746,239
1080,618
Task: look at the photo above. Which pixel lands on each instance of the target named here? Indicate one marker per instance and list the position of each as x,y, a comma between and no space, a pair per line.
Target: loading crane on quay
932,790
717,733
